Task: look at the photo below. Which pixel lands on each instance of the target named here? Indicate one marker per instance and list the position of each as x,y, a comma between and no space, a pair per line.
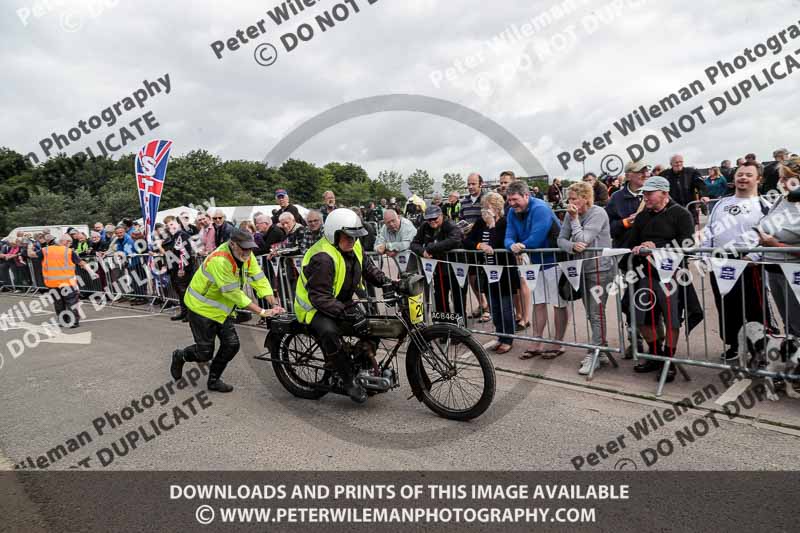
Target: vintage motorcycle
447,369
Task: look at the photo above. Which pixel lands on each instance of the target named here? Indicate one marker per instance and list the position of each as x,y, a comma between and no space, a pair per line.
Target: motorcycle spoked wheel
468,392
301,381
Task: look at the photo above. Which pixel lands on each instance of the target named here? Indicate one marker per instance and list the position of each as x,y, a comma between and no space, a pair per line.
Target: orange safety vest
58,269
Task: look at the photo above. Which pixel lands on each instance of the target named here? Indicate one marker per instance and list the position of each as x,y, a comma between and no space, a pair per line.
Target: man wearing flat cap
214,294
662,224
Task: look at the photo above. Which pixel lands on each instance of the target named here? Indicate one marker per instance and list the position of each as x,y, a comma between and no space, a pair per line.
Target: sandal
521,327
503,348
530,354
551,354
477,313
485,317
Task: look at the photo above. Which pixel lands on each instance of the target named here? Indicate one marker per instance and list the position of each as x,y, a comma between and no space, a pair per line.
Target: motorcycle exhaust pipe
378,383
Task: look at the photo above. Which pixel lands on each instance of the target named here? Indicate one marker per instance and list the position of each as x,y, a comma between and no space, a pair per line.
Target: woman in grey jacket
586,226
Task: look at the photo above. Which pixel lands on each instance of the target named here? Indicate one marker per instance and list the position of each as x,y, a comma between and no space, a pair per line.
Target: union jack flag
151,171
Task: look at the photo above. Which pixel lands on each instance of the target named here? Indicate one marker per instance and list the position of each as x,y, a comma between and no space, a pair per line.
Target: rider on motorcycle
330,273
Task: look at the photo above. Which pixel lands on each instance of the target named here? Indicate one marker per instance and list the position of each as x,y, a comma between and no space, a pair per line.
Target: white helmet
343,220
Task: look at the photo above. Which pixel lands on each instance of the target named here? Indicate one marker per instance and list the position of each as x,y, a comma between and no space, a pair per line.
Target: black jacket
685,187
496,239
222,233
320,272
437,242
179,245
273,235
288,209
671,226
771,177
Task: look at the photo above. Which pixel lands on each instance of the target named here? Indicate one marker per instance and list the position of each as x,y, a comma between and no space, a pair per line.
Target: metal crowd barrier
611,339
772,287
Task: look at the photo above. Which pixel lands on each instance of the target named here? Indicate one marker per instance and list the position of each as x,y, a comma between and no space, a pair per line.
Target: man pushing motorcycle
215,292
330,273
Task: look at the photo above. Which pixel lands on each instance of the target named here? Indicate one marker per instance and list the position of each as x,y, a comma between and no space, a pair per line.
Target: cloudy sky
576,67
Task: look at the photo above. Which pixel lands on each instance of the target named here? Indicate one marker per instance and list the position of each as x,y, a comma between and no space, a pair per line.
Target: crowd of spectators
643,209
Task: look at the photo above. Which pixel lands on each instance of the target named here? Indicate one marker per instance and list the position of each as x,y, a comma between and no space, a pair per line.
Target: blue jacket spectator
536,227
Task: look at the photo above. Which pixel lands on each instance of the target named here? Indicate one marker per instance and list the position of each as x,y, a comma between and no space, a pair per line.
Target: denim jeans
502,312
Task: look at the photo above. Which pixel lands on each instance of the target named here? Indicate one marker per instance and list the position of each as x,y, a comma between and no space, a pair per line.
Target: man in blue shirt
532,224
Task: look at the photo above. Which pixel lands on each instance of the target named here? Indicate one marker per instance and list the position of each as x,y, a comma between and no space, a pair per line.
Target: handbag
567,292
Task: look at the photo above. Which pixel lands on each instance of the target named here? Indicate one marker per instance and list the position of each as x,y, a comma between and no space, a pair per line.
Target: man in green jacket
216,290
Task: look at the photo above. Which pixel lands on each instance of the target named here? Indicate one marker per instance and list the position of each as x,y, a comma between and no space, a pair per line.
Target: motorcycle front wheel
454,375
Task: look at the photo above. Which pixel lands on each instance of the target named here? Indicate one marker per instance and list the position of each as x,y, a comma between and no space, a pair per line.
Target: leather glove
358,319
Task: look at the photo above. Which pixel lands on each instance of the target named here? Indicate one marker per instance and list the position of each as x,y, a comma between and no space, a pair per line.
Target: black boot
353,389
216,384
176,368
181,316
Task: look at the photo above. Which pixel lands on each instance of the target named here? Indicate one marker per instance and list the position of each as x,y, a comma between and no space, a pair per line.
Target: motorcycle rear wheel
295,350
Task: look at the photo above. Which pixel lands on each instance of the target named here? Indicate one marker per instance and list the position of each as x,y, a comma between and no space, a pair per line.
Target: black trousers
180,284
205,331
66,306
329,332
738,309
445,283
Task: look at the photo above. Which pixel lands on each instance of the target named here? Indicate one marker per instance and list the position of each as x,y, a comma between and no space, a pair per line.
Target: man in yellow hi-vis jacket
215,291
331,271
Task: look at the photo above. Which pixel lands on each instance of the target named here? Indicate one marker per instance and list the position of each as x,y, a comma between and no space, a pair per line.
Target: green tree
421,183
392,181
301,179
55,208
347,173
453,182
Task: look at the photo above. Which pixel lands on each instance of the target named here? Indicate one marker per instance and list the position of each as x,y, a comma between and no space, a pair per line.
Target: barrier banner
493,273
530,273
792,273
460,270
402,260
572,270
666,262
428,266
727,272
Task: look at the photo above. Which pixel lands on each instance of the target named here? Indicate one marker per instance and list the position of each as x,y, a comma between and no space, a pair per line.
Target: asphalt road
53,392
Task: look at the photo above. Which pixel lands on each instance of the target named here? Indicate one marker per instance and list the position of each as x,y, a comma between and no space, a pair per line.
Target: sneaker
586,364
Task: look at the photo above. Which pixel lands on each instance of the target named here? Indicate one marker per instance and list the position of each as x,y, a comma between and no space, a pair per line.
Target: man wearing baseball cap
285,207
625,204
435,237
214,294
662,224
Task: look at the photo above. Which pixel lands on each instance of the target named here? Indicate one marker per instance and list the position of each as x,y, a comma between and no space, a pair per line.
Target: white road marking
52,333
733,392
118,317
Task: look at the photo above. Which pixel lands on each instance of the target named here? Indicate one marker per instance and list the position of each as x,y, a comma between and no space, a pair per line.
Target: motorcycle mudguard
415,380
283,325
